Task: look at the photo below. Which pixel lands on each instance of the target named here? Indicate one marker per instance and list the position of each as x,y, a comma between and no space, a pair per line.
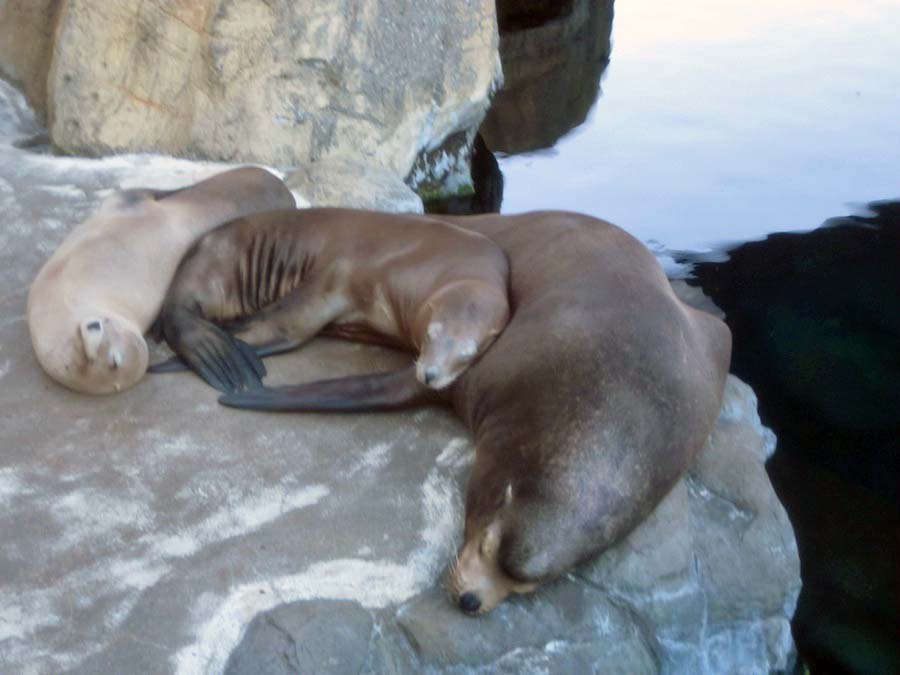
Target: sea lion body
585,411
285,276
92,301
582,431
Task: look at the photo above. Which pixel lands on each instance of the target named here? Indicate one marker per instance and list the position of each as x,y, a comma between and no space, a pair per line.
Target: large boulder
26,45
286,82
347,182
707,584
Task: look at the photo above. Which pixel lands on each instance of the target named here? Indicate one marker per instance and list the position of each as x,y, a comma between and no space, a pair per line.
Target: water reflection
719,121
816,325
553,55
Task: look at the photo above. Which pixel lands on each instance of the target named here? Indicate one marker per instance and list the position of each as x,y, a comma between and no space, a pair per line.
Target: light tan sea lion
407,281
586,410
92,301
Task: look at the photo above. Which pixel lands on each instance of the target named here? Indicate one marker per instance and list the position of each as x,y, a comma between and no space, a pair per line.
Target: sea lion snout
448,353
478,582
469,603
437,376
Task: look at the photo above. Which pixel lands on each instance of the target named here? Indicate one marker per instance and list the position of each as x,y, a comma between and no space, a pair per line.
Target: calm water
721,122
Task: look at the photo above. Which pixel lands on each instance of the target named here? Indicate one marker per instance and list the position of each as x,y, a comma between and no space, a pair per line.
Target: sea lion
585,411
92,301
279,278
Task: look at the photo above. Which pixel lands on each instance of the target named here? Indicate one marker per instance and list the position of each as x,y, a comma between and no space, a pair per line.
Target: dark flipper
273,348
155,330
254,354
385,391
225,362
170,365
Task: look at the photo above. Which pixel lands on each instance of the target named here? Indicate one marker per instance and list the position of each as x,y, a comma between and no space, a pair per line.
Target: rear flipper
361,393
223,361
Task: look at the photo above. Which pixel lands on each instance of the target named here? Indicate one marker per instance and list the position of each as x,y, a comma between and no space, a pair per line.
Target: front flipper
361,393
226,363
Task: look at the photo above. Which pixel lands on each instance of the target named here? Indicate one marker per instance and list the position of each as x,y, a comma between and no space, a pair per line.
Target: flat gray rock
353,184
155,531
317,636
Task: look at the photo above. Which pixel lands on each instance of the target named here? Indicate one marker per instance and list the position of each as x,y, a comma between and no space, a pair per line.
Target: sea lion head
460,323
113,355
479,578
446,353
526,528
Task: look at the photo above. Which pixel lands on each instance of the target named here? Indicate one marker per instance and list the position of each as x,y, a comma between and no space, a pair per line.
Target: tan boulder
281,82
346,182
26,45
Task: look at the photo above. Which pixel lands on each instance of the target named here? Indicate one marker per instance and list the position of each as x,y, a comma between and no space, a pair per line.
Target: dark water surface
816,324
722,122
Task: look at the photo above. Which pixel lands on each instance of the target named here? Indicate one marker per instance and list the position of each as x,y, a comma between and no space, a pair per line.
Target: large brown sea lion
285,276
92,301
586,410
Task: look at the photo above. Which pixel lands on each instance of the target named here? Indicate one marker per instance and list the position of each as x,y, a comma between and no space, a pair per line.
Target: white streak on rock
372,583
237,519
371,460
115,584
11,486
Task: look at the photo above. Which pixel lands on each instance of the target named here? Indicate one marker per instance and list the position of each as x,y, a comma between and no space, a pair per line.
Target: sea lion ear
91,336
508,495
491,542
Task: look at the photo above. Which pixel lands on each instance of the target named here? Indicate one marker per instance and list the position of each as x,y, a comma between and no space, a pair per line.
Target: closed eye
468,348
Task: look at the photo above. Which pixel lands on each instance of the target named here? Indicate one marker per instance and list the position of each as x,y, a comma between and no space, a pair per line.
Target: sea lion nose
431,374
469,602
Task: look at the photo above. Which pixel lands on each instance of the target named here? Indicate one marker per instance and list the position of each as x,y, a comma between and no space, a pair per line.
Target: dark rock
317,636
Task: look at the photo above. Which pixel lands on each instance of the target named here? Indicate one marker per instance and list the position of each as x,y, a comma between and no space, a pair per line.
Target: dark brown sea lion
586,410
286,276
92,301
